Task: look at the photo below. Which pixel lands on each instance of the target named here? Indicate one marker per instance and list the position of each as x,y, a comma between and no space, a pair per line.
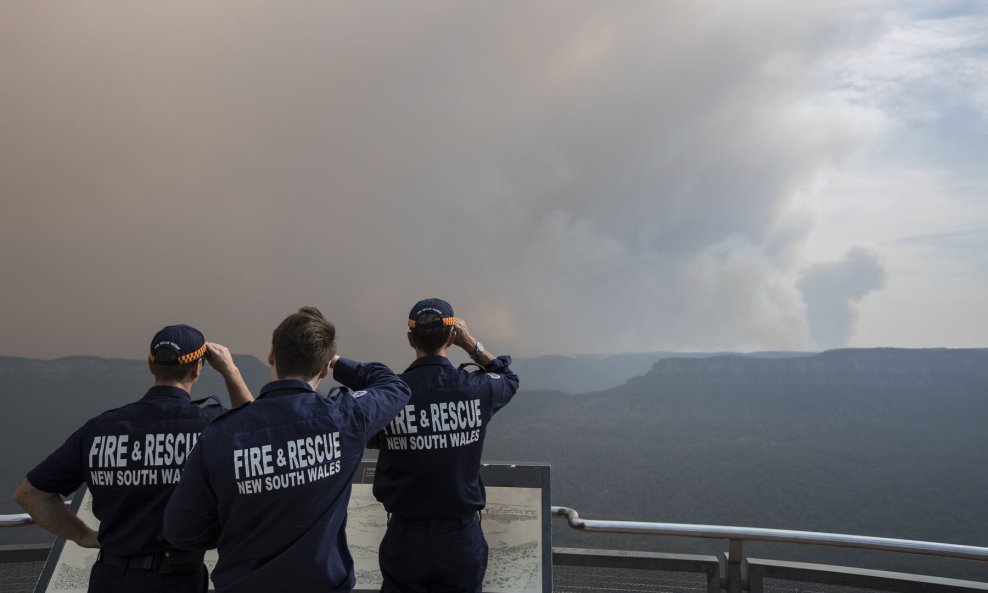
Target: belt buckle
147,563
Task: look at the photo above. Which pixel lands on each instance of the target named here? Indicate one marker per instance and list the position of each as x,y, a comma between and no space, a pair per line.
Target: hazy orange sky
573,176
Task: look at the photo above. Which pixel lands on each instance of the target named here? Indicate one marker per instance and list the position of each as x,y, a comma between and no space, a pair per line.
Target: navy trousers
433,556
112,579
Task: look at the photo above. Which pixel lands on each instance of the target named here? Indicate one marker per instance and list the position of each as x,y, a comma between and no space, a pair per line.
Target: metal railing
16,520
22,519
733,572
742,574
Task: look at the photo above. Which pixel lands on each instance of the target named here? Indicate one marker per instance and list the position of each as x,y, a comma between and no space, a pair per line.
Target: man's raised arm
218,356
378,392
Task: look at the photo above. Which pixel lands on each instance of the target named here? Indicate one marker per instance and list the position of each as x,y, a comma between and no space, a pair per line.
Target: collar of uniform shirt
168,391
429,360
285,387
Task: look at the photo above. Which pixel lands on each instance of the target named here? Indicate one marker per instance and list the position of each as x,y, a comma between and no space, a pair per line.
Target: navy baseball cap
437,307
177,344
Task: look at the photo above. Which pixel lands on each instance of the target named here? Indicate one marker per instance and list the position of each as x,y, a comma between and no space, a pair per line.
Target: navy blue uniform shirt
269,483
130,458
429,463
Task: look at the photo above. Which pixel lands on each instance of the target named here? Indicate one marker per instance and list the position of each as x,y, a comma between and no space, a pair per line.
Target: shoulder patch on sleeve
336,392
493,375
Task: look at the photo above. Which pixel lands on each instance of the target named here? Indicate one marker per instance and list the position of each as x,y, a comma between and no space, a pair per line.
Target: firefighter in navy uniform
131,458
269,483
428,468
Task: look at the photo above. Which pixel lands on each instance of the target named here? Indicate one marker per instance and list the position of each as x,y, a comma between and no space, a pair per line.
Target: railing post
735,552
755,580
713,579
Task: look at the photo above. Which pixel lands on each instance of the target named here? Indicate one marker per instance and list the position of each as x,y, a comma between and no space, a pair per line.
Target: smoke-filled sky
574,176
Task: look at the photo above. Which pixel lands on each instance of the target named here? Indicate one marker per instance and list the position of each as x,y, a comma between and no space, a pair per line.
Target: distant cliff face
589,373
582,374
879,367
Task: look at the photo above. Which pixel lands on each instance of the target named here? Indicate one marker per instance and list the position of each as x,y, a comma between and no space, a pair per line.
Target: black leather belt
169,561
447,522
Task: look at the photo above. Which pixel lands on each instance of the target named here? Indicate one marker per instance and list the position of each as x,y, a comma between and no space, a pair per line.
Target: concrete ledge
25,553
634,560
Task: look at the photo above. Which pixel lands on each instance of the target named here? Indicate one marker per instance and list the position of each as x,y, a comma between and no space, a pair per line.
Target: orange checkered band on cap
447,321
192,356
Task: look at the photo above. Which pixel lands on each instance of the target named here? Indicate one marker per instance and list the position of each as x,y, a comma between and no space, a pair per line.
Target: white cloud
832,291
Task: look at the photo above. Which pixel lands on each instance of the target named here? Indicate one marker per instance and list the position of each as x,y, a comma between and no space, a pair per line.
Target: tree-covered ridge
883,442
